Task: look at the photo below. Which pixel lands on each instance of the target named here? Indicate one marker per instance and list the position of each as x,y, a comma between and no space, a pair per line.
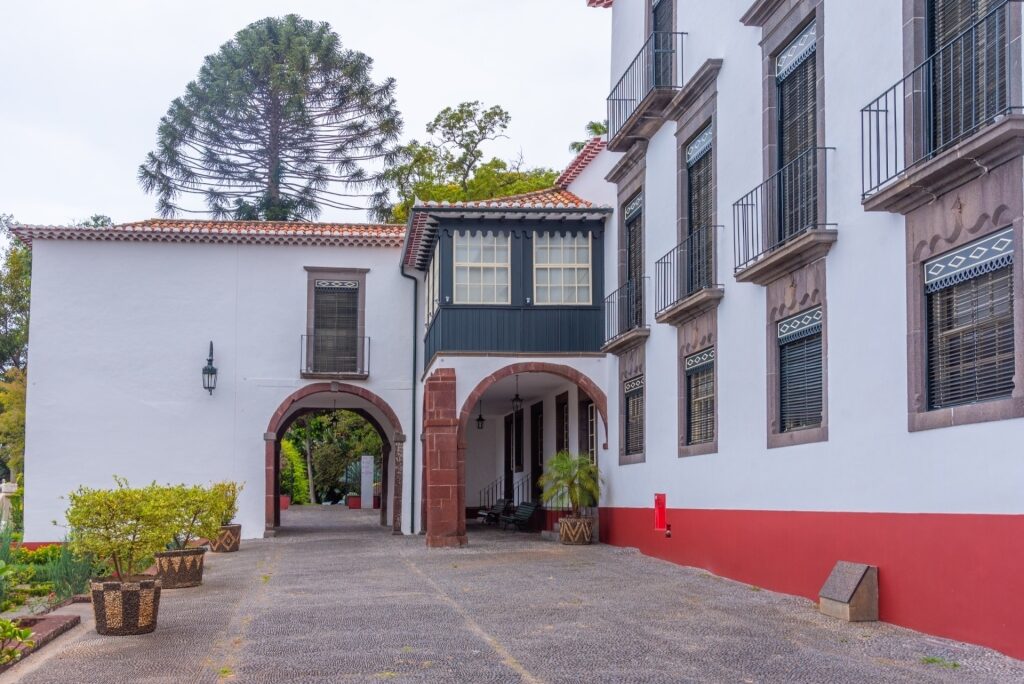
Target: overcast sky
83,84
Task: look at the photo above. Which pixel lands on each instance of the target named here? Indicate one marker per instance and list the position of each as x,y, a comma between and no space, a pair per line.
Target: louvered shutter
800,371
661,28
700,397
798,135
631,308
700,216
968,69
336,327
634,400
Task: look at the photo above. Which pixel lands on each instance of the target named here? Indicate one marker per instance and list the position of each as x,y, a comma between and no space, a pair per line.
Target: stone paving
335,598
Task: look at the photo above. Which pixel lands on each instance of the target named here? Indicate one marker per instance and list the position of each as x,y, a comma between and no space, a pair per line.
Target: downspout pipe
411,439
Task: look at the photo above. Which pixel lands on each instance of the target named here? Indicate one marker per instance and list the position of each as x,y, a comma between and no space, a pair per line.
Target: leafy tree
594,129
12,419
15,287
451,167
98,221
280,123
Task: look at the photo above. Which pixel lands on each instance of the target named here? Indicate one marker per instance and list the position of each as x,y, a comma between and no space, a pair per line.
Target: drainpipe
410,439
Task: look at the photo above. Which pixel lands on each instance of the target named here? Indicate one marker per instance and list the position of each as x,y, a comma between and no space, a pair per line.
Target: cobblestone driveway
335,598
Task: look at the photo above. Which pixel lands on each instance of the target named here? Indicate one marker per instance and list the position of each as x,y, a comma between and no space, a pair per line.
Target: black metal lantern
480,418
517,401
210,372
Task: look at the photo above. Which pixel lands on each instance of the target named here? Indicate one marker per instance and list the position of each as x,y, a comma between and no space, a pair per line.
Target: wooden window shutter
336,326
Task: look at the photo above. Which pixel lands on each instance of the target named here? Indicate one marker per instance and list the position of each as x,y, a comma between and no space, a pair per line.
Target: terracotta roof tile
599,3
576,166
259,232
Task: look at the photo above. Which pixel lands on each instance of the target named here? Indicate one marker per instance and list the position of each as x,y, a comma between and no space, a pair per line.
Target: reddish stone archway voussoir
284,415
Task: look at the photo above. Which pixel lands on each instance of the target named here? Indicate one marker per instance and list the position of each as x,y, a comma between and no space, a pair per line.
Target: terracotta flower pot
227,540
125,608
286,501
355,501
576,530
180,568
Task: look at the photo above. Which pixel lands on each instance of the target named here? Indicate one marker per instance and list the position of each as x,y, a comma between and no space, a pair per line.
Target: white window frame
482,265
563,267
433,285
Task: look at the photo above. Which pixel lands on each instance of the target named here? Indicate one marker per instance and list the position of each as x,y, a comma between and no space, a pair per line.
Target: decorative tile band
700,146
338,284
801,325
634,206
979,257
801,48
702,358
633,384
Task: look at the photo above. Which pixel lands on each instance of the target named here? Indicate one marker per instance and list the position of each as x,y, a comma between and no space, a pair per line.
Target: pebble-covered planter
576,531
125,608
227,540
180,568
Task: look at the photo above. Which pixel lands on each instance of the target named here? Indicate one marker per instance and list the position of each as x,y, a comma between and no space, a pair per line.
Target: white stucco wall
870,462
119,333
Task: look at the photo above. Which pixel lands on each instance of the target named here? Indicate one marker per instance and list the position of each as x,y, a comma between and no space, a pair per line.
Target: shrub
226,493
571,476
69,573
123,525
11,637
190,512
294,482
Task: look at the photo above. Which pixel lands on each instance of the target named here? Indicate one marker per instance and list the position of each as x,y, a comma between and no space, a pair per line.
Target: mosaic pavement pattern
335,598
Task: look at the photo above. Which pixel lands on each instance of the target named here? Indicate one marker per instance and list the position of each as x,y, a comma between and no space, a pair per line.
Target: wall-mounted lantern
210,372
480,418
517,401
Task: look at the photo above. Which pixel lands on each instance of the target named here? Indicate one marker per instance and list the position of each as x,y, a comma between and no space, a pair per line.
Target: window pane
542,295
542,255
556,254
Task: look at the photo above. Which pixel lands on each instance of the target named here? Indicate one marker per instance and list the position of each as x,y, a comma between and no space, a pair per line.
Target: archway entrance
330,396
512,446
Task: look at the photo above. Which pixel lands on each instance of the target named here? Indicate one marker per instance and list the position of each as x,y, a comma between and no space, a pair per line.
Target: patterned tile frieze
633,384
981,256
700,146
801,48
700,359
634,206
339,284
804,323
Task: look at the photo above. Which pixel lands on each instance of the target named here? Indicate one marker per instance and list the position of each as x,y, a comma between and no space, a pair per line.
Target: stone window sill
800,251
626,341
983,412
692,306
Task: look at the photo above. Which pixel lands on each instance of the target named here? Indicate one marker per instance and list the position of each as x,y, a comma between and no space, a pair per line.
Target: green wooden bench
521,517
490,516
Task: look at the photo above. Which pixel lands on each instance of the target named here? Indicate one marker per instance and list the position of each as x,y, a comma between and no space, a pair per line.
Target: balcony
624,323
955,116
685,278
781,224
337,354
637,101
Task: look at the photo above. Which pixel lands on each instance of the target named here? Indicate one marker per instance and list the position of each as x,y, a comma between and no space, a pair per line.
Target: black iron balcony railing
785,206
335,353
658,65
688,268
960,89
624,309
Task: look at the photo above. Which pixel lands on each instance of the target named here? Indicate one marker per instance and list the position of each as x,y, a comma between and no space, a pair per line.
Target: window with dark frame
796,75
634,405
700,397
801,378
700,207
335,347
631,305
661,31
969,299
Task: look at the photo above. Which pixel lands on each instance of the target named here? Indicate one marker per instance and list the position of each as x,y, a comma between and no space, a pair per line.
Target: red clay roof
576,166
261,232
599,3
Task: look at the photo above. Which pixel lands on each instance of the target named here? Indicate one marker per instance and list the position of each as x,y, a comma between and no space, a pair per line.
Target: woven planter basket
227,540
576,530
180,568
125,608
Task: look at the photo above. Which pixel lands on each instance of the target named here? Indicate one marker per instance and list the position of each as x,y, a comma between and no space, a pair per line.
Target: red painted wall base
957,576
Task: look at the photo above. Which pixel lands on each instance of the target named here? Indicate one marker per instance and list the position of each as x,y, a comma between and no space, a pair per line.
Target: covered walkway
337,598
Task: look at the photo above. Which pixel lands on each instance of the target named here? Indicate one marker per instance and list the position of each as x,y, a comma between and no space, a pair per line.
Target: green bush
68,573
573,478
190,512
124,525
226,495
294,482
12,636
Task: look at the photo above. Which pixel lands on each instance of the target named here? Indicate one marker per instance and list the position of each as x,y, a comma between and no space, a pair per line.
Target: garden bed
45,628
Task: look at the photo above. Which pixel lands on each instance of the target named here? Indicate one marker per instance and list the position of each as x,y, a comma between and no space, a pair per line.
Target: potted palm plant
193,513
575,479
124,526
229,535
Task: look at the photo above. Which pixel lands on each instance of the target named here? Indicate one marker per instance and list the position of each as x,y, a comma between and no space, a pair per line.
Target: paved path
336,599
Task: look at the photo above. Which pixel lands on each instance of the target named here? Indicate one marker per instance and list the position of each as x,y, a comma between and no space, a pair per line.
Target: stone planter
125,608
180,568
576,530
227,540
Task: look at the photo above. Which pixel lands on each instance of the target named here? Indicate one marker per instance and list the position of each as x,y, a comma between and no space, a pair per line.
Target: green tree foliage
15,287
337,439
293,473
98,221
451,167
594,129
12,419
571,476
281,122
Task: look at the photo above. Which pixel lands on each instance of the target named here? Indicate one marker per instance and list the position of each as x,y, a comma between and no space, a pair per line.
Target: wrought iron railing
521,490
658,65
688,268
960,89
624,309
335,353
490,494
782,208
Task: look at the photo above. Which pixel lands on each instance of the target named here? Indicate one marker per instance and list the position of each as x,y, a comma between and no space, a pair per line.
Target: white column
366,488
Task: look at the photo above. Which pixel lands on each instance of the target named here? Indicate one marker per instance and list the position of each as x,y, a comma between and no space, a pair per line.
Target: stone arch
287,412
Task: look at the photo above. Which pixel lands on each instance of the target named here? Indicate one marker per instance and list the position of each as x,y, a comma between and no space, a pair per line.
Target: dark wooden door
536,448
508,491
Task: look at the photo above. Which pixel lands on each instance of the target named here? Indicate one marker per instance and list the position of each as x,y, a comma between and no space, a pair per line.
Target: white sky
84,84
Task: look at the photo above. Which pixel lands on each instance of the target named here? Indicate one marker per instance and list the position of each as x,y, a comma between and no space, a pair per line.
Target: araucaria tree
280,123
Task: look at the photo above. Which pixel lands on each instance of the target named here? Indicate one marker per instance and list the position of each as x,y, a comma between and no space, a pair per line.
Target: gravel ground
335,598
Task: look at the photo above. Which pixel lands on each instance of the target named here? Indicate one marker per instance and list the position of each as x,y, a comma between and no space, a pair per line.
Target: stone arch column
444,477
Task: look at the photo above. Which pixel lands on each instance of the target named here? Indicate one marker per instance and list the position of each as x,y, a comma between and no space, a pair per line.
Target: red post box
659,513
